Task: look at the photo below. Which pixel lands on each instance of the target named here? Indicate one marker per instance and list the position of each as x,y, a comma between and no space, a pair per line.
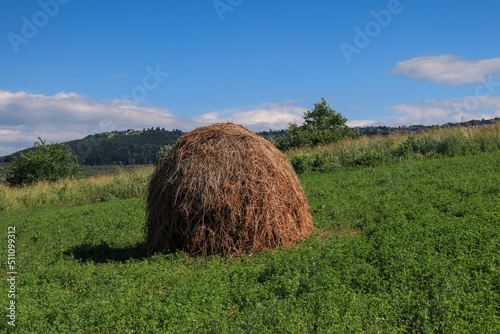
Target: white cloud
67,116
443,111
448,69
361,123
269,116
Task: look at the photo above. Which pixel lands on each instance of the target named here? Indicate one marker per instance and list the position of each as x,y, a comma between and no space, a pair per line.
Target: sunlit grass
69,192
378,150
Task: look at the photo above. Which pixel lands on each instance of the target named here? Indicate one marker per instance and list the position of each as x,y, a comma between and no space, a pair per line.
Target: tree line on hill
387,130
130,147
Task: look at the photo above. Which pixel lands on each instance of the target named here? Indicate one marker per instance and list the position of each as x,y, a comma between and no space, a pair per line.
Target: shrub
162,152
43,163
322,125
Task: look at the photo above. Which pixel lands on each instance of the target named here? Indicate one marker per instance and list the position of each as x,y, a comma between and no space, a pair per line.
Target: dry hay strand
223,189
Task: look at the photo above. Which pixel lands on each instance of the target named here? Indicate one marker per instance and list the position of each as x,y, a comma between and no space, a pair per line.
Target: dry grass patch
68,192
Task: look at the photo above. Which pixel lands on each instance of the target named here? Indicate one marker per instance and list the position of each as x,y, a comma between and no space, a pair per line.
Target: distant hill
387,130
135,147
128,147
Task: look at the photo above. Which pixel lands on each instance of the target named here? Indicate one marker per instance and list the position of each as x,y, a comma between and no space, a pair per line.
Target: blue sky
69,68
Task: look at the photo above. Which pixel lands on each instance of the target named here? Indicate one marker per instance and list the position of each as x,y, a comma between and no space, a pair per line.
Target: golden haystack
223,189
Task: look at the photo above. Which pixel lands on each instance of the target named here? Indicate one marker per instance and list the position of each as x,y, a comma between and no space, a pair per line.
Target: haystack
223,189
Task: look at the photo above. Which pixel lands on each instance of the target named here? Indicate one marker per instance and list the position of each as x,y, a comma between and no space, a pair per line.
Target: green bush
44,163
322,125
162,152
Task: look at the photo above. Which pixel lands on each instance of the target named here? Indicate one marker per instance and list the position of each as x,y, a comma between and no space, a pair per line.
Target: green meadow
410,246
406,248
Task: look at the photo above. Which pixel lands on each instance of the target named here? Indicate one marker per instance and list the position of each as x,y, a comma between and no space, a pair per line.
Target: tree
322,117
322,125
44,162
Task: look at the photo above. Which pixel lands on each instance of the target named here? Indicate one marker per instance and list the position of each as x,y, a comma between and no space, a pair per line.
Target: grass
101,170
411,247
101,188
85,172
383,150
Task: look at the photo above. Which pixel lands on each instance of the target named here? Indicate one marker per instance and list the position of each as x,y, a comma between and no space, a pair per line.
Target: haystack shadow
104,253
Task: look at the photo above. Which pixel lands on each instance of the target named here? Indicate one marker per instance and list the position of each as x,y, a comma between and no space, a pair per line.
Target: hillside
130,147
387,130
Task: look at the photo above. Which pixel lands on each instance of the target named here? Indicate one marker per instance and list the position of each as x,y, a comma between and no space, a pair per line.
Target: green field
413,247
